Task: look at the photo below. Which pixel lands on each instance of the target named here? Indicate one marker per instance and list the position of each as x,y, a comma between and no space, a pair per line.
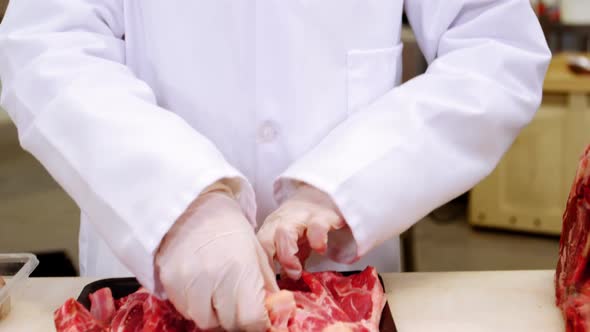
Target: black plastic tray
121,287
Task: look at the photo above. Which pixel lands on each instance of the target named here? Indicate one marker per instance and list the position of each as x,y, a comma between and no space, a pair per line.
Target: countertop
560,79
501,301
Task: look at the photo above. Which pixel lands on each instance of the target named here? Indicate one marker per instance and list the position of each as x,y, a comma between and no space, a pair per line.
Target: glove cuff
219,186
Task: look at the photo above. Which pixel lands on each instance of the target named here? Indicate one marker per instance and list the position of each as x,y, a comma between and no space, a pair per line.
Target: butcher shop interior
506,253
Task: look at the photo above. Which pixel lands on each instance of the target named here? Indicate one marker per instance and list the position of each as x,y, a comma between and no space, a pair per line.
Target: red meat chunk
328,301
102,305
129,317
137,312
324,301
161,316
73,317
572,278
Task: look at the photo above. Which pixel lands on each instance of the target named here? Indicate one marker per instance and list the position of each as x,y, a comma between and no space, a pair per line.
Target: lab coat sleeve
434,137
131,166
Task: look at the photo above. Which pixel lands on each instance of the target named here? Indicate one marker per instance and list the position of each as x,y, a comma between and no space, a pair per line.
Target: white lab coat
135,106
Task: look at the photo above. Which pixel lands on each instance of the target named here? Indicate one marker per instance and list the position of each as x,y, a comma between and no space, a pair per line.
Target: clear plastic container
15,269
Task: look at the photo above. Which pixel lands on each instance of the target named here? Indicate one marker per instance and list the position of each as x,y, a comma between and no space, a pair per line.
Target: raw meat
161,316
73,317
572,278
328,301
323,301
129,316
102,305
137,312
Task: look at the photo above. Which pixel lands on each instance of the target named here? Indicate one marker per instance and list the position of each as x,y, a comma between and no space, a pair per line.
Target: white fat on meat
340,327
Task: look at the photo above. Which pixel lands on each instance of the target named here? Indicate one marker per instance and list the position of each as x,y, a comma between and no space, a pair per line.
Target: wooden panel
523,174
529,188
560,79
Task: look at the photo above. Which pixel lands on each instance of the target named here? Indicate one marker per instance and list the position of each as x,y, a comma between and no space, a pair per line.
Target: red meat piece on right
572,278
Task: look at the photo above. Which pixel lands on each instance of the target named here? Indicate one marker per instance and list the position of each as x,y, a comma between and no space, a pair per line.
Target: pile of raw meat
572,279
139,311
322,301
326,301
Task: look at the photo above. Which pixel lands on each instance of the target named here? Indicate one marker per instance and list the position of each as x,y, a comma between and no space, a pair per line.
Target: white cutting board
520,301
34,302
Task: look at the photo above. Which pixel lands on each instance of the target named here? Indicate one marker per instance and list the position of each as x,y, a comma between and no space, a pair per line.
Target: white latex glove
213,268
304,222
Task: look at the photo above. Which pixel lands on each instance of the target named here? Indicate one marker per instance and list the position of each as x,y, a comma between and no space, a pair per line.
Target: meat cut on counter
139,311
327,301
572,278
321,301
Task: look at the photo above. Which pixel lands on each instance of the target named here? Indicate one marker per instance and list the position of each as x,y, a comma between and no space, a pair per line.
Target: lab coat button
267,132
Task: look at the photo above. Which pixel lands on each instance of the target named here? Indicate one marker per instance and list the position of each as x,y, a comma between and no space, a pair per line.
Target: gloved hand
303,223
212,267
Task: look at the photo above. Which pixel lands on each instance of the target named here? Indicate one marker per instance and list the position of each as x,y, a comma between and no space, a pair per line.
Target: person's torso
264,80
